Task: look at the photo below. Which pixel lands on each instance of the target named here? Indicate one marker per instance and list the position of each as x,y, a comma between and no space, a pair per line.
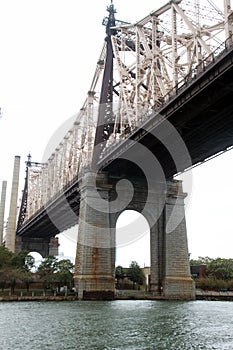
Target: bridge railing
206,63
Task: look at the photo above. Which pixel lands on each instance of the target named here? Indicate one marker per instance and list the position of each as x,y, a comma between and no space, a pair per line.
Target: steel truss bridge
174,66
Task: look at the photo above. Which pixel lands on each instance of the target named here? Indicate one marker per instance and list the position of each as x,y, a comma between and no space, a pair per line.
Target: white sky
49,49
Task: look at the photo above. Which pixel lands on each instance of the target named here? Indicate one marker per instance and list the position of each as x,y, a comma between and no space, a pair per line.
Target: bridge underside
44,246
59,215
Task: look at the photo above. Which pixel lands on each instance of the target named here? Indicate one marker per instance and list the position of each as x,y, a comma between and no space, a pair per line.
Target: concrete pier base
95,288
177,283
94,273
179,288
164,211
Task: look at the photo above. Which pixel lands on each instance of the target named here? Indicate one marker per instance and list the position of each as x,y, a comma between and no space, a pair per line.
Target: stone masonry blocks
93,266
95,258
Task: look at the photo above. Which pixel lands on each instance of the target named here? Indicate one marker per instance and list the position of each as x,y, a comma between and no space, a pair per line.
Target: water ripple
117,325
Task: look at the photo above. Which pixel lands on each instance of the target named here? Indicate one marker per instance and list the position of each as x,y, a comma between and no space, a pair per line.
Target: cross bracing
138,70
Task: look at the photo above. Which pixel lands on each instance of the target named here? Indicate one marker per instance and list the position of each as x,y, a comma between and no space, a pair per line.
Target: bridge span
201,112
165,105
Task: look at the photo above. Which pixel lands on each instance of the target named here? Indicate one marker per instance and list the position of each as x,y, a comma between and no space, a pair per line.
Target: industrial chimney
11,227
2,209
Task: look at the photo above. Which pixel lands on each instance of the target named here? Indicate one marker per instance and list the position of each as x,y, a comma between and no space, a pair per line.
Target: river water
115,325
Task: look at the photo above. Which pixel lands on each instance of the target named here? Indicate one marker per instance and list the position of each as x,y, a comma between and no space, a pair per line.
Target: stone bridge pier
103,199
43,246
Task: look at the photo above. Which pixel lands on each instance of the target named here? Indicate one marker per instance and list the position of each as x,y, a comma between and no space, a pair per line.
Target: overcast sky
49,49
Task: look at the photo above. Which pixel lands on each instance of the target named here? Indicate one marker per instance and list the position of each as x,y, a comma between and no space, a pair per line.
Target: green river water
115,325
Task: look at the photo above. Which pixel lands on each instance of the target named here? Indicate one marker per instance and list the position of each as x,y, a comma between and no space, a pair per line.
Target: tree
201,260
64,272
27,278
3,280
15,268
29,262
135,274
47,266
65,265
5,257
220,268
22,261
54,272
46,270
5,261
119,274
11,277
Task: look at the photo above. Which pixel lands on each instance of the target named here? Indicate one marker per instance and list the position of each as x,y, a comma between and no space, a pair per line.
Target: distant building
198,271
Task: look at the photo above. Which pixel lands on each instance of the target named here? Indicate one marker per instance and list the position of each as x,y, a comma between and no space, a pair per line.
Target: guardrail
215,56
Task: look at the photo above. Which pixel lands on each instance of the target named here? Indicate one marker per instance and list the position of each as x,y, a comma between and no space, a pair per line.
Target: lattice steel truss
156,53
139,67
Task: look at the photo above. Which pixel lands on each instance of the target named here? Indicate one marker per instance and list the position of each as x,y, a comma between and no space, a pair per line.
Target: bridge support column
53,246
174,263
43,246
94,270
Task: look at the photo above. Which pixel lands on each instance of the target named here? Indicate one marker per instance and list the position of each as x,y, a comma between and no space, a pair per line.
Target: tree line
18,269
218,273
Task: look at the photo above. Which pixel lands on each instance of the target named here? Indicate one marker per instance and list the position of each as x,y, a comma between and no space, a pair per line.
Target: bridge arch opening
132,239
38,258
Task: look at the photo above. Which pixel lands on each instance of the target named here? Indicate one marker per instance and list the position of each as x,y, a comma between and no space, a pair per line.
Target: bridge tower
95,257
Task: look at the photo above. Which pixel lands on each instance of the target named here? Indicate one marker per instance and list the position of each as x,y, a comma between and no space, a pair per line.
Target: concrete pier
42,245
95,263
94,274
177,282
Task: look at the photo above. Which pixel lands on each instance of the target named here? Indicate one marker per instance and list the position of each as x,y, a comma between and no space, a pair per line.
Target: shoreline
214,296
200,295
37,298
